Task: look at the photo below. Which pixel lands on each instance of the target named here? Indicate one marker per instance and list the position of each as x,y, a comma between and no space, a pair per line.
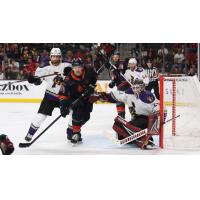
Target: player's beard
55,62
77,73
133,68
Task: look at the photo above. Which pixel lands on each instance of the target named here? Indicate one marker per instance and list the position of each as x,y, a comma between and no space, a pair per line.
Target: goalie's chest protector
144,103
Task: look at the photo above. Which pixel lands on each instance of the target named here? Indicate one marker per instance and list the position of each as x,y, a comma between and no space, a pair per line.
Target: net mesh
187,105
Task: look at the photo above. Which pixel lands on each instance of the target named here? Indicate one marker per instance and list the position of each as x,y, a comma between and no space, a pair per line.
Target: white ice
16,118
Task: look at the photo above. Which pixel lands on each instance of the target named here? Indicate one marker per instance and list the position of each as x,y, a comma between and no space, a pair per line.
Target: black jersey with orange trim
73,86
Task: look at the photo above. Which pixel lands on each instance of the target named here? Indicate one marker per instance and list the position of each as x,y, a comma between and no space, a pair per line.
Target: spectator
68,57
192,70
1,73
144,53
179,57
20,60
162,51
44,58
31,65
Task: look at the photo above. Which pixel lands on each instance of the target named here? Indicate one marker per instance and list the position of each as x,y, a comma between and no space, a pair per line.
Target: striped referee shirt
152,73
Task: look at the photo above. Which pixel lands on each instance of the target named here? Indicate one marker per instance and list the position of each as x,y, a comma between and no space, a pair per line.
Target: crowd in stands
169,58
18,61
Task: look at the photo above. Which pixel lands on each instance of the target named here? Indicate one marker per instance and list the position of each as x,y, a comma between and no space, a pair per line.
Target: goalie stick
135,136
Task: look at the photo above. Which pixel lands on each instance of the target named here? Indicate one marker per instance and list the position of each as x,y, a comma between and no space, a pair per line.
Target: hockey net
180,96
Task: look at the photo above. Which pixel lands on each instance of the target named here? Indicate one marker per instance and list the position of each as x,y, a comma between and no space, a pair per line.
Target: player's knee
39,119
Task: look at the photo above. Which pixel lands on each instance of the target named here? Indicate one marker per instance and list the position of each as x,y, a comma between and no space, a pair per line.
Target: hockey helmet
138,86
77,62
55,52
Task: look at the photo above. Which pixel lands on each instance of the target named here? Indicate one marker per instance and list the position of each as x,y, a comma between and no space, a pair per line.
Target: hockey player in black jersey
117,79
152,73
81,80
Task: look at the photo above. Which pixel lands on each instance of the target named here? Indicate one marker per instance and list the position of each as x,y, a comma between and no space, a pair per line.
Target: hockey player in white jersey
50,100
135,72
144,110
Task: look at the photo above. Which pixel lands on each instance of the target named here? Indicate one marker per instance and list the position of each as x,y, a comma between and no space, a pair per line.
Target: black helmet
77,62
149,61
116,52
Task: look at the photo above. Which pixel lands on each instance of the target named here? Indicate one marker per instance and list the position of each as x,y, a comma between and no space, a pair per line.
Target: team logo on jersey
57,81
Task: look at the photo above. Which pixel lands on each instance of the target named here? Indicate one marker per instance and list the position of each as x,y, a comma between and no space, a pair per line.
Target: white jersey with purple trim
52,86
144,104
138,73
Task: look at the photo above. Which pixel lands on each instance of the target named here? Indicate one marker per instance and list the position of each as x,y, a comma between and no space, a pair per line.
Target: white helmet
132,61
55,52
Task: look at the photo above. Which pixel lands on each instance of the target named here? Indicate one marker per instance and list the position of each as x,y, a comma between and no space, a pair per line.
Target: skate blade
149,147
76,144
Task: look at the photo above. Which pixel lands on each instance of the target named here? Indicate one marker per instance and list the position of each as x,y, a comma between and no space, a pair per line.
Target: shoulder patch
147,97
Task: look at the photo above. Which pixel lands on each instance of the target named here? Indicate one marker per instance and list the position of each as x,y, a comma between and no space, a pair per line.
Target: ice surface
15,120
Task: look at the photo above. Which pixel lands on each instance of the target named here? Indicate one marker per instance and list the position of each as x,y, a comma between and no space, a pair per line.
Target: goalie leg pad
125,129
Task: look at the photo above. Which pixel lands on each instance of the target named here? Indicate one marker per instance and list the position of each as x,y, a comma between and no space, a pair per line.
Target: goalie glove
111,84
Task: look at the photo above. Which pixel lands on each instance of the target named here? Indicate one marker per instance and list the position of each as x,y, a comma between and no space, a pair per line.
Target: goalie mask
138,86
55,56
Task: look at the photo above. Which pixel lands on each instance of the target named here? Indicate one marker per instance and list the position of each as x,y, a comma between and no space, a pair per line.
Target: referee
152,73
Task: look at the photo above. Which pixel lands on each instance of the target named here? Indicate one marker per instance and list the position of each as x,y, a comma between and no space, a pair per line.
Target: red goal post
181,95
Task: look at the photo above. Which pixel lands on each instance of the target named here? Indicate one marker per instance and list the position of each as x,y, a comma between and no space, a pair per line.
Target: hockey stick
135,135
101,68
121,74
129,138
10,83
28,144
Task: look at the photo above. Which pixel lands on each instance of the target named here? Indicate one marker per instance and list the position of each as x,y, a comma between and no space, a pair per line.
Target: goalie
144,110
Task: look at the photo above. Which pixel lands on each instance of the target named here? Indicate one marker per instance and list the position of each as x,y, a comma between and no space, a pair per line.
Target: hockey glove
67,70
34,79
64,108
89,90
111,84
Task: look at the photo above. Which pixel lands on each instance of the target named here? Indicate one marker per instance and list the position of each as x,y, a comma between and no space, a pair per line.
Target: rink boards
28,93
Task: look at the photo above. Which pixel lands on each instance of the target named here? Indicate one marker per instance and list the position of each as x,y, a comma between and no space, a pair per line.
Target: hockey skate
76,139
28,137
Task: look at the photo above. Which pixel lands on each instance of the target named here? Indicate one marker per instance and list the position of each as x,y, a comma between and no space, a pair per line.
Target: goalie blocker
138,131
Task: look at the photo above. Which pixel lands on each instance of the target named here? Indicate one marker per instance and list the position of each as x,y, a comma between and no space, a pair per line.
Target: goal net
180,96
